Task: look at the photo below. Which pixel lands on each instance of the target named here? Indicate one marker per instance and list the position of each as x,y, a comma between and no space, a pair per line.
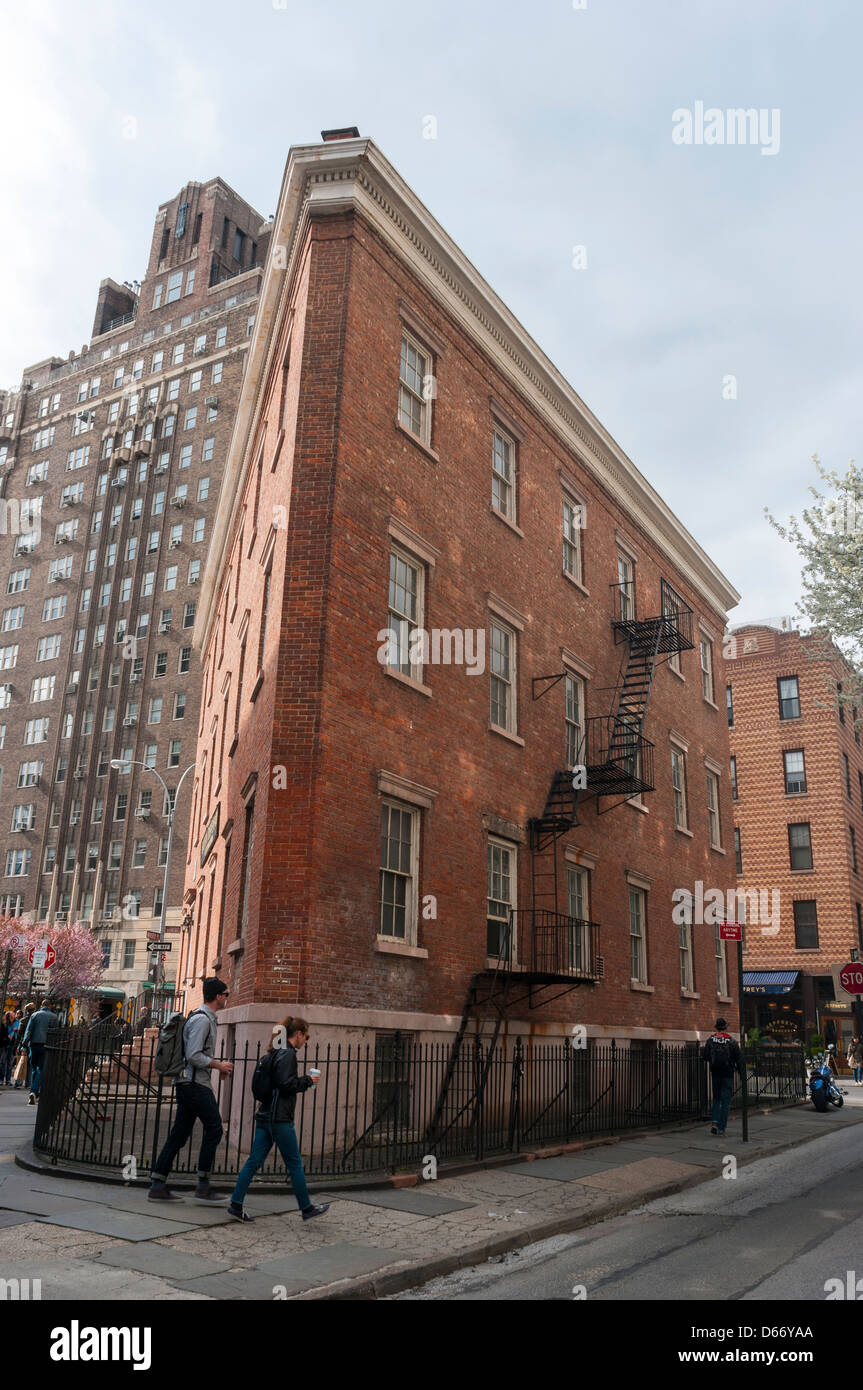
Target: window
687,969
573,718
78,458
216,373
191,419
626,586
847,766
678,784
121,804
207,449
42,688
150,752
502,677
503,474
174,753
36,730
180,705
501,898
806,925
171,577
738,850
186,456
705,647
12,618
189,615
721,967
713,825
8,657
18,581
795,772
29,774
153,542
572,556
246,870
800,845
175,283
195,574
203,489
638,935
853,834
221,336
195,381
161,664
37,473
733,778
729,705
22,817
139,856
789,698
18,863
185,660
579,910
158,507
155,715
198,529
190,280
397,882
414,408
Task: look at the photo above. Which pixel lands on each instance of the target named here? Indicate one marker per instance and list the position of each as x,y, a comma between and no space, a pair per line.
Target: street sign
152,936
160,946
730,931
41,979
15,942
41,955
851,977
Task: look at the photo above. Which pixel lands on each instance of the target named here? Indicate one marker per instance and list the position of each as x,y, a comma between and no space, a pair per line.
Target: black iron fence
383,1107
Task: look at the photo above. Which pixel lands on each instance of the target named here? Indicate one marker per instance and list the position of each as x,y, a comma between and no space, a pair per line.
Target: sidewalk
93,1240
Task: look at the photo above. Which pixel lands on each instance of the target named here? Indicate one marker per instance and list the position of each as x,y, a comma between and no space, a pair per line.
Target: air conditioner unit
199,351
172,545
161,468
118,482
19,829
142,813
193,578
79,774
99,642
130,720
178,501
211,400
164,627
135,676
74,818
54,578
71,688
61,916
60,540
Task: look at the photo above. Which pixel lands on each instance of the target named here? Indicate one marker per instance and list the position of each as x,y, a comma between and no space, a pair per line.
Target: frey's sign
208,839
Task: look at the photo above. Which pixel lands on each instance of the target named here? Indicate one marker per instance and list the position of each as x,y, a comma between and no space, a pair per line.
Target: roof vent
348,132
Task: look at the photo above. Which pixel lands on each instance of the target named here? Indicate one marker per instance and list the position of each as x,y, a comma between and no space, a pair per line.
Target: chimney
348,132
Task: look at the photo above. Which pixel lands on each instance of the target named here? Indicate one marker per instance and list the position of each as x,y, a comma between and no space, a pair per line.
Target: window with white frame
687,966
721,964
572,553
503,456
713,810
578,903
397,884
626,586
502,686
638,935
501,899
48,647
8,657
414,378
678,786
405,612
573,718
42,688
705,648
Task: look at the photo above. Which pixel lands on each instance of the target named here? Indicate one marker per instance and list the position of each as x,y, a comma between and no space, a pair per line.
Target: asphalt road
780,1229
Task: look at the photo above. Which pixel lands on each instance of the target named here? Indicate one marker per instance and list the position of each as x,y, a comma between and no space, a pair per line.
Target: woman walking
854,1056
6,1048
274,1122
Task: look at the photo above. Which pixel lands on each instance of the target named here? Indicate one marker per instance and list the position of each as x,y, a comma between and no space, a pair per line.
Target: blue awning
769,981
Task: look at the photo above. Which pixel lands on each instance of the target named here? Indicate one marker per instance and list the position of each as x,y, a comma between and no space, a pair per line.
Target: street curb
382,1285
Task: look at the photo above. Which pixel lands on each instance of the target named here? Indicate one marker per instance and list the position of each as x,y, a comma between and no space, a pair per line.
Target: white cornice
354,175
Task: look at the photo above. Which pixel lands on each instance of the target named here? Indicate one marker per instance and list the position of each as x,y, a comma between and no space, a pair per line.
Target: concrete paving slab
15,1218
74,1280
241,1284
124,1225
563,1169
641,1176
162,1260
410,1199
128,1199
329,1263
19,1198
702,1158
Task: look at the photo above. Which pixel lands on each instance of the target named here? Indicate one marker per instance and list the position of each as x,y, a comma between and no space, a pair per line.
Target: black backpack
720,1056
170,1056
263,1087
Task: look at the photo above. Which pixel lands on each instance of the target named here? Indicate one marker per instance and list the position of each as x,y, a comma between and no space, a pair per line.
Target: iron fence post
515,1097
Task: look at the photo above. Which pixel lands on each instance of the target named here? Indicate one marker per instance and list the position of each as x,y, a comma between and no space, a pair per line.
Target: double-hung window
397,884
415,389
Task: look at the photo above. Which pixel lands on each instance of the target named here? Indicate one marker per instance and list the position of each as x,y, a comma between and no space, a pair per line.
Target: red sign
42,956
730,931
851,977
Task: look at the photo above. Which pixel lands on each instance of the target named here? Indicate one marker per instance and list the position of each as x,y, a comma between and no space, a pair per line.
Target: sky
711,317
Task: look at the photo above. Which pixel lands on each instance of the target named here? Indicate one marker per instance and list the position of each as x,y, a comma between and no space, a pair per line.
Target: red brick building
384,833
798,780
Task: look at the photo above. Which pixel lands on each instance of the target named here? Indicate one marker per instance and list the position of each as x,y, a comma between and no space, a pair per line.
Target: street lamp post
124,764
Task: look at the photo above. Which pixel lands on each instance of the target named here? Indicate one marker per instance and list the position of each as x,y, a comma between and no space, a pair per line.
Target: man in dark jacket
723,1057
274,1122
42,1022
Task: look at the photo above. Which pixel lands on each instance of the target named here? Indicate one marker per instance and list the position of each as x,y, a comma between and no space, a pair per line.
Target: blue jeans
723,1089
858,1073
285,1136
37,1061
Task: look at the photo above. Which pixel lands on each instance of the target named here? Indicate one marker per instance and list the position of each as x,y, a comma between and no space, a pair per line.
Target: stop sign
851,977
42,956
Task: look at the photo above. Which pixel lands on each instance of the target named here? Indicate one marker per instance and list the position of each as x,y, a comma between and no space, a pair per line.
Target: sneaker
32,1100
239,1214
315,1211
714,1129
160,1193
205,1193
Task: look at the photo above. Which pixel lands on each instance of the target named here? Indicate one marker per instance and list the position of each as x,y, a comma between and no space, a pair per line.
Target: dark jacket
288,1082
722,1054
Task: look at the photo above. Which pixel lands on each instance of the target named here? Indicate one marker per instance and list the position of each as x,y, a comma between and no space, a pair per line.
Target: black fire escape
542,948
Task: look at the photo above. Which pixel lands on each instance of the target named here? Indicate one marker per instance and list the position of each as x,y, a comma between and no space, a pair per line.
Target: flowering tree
78,965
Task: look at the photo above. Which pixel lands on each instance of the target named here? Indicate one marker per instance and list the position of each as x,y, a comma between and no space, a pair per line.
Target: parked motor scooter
823,1090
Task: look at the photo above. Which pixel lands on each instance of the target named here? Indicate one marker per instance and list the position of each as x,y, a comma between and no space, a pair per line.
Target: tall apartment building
111,466
797,779
435,585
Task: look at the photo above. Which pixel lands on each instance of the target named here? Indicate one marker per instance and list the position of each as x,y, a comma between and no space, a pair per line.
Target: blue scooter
823,1090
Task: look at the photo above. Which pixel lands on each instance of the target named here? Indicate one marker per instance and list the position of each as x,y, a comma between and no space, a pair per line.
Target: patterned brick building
435,585
111,464
797,773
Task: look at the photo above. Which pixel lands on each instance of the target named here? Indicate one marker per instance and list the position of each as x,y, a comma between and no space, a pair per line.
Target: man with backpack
723,1057
185,1055
35,1039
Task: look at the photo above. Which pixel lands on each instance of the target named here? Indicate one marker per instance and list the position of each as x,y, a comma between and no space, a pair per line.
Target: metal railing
373,1110
551,943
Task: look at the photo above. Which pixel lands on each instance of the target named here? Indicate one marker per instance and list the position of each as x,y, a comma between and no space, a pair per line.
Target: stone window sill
571,579
640,988
256,688
637,806
724,999
689,994
408,681
679,674
233,748
400,948
420,443
507,521
717,849
682,830
505,733
236,948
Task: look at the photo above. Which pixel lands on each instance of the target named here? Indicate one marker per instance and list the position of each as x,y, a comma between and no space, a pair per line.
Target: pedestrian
6,1047
855,1059
42,1022
14,1036
723,1057
274,1122
196,1100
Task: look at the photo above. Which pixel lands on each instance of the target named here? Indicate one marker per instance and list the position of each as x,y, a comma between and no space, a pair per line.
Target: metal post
744,1098
8,967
